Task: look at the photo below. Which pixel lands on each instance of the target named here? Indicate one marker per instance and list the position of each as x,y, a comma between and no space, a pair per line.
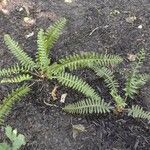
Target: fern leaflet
108,76
16,79
77,84
112,84
24,59
138,112
88,106
42,55
84,59
11,99
53,32
134,81
12,70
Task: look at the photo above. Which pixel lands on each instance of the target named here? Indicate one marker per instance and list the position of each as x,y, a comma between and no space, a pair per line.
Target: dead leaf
29,35
29,21
63,98
131,57
76,129
3,4
131,19
53,93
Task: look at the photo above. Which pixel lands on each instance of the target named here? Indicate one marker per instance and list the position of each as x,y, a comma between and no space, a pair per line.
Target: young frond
10,100
53,32
133,82
108,76
88,106
77,84
111,83
12,70
144,77
16,79
23,58
139,59
42,55
138,112
85,59
133,85
120,102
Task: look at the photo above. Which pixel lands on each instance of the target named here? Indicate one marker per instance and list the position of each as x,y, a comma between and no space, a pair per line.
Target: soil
93,25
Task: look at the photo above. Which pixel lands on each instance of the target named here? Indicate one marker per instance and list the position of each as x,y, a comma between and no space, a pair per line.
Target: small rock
131,19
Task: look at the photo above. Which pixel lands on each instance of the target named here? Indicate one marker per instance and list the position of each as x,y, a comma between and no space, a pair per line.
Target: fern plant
42,68
134,81
16,140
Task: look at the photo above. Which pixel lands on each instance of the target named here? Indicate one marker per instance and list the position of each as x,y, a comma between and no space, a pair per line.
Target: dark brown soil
92,26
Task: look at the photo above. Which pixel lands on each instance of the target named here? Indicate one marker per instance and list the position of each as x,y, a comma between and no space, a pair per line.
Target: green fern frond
144,77
54,69
120,102
23,58
42,55
53,32
135,81
16,79
84,59
12,70
78,84
138,112
111,83
11,99
108,76
88,106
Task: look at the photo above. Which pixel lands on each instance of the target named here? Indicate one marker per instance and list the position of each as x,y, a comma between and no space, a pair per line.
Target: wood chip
63,98
68,1
131,19
54,93
29,35
29,21
131,57
77,129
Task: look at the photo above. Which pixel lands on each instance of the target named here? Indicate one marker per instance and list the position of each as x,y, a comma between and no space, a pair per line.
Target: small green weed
15,140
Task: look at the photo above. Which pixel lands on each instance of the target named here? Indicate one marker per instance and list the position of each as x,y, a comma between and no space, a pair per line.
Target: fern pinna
11,99
42,67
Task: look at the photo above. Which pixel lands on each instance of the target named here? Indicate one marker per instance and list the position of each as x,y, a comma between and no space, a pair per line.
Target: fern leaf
42,55
138,112
53,32
144,77
108,76
12,70
88,106
85,59
135,84
10,100
112,84
77,84
23,58
120,102
134,81
16,79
